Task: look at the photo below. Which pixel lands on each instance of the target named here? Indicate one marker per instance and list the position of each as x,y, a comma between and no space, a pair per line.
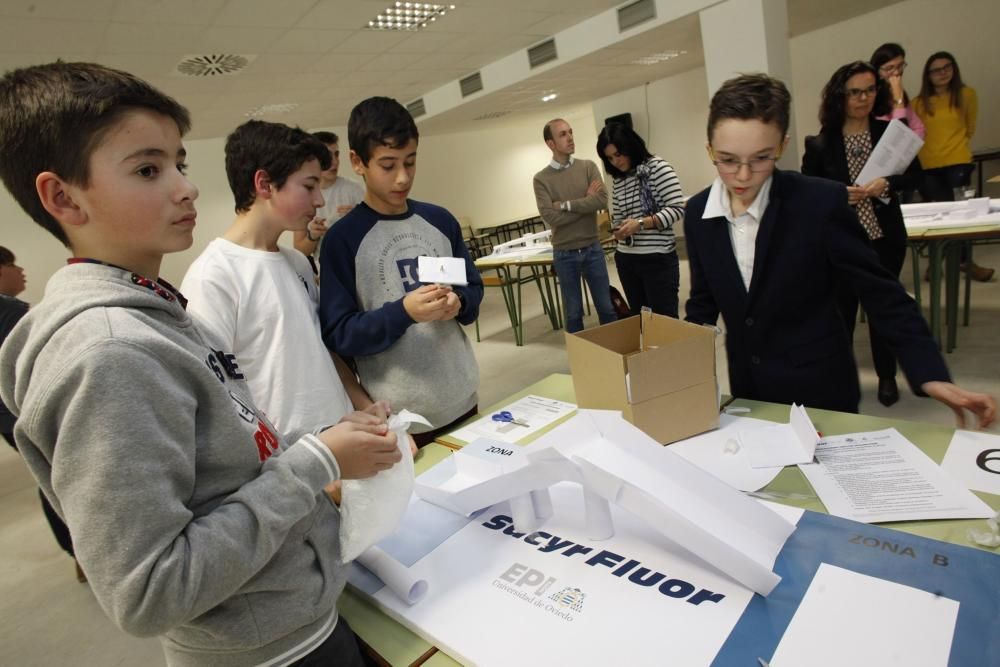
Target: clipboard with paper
892,154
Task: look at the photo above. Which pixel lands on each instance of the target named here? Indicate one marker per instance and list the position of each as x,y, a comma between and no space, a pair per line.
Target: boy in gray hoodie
193,519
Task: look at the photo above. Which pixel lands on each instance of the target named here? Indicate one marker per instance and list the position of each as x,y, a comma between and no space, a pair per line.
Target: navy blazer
786,341
826,157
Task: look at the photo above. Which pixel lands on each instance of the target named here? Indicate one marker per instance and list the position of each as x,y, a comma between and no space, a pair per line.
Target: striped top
667,208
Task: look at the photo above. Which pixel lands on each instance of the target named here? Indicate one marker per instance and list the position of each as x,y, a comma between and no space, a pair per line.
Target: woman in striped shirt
646,202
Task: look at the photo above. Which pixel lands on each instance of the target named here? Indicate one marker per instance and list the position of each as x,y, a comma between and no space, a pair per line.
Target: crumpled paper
370,509
989,538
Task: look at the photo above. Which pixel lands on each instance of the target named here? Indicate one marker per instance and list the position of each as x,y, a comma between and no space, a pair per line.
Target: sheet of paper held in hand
881,476
527,416
442,270
892,154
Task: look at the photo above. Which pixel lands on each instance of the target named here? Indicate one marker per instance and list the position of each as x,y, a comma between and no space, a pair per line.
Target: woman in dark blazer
849,131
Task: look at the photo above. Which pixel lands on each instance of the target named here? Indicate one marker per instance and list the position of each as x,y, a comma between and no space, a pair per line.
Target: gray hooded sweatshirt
191,518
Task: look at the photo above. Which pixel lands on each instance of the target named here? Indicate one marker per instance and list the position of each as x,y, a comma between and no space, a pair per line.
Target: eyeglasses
858,93
730,165
889,70
940,70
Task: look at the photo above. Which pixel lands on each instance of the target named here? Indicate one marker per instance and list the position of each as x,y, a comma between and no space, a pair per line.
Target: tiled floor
50,619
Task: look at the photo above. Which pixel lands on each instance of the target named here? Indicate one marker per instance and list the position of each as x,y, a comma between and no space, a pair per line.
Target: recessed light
410,16
271,109
659,57
549,96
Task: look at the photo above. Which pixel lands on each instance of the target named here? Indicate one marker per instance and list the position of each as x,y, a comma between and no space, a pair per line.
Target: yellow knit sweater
949,129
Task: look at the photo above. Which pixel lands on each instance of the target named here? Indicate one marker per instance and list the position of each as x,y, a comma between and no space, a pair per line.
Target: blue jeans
589,263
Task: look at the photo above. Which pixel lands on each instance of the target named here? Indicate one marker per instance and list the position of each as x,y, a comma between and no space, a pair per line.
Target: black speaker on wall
622,119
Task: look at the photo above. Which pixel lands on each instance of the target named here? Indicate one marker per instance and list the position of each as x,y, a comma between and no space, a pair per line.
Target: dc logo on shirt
408,273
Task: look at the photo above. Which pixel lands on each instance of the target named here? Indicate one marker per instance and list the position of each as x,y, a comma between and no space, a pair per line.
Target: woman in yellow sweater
948,110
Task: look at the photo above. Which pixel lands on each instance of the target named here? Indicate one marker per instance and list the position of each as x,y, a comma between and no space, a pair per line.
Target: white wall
484,177
674,128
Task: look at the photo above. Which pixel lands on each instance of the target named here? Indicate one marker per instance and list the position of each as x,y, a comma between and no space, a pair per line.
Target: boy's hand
452,305
426,303
315,229
983,406
370,416
594,187
361,450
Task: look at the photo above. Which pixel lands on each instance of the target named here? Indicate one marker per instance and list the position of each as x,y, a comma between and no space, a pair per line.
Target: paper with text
892,154
881,476
533,412
974,459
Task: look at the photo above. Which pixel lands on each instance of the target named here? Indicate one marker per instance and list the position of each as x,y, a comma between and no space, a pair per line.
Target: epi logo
530,586
569,597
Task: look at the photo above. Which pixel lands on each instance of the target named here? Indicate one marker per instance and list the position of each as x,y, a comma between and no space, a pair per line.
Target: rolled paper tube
397,577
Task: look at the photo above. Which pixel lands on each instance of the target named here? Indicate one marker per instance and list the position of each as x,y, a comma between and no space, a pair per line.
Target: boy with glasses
767,249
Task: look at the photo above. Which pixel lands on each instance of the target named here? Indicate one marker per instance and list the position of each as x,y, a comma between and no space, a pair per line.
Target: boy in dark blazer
767,249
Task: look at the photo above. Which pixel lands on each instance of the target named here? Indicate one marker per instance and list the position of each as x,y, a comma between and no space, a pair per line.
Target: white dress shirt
742,228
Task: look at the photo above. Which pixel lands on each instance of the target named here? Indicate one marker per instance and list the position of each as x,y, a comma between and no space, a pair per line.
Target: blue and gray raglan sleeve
347,329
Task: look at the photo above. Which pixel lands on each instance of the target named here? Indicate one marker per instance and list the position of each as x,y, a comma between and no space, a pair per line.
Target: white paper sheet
782,444
404,583
892,154
535,411
442,270
849,619
881,476
973,458
719,453
558,607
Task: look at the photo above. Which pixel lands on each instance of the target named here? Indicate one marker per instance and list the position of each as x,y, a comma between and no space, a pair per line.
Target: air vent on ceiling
542,53
471,84
635,13
216,64
416,108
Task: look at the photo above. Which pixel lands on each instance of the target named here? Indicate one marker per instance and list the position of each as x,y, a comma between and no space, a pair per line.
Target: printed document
516,421
881,476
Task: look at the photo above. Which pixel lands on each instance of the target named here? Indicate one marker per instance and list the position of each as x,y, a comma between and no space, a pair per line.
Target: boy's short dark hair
276,148
6,257
327,137
751,97
53,117
379,121
547,130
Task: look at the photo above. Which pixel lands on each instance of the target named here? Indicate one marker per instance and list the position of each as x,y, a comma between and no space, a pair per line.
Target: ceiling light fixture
659,57
271,109
410,16
549,96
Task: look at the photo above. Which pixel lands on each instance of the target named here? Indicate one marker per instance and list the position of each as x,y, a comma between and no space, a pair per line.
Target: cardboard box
671,390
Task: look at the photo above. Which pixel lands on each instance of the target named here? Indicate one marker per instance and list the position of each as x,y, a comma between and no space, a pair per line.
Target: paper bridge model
615,462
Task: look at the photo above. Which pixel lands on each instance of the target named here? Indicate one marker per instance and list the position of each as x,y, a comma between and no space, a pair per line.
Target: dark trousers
427,438
339,650
59,529
939,183
891,254
650,280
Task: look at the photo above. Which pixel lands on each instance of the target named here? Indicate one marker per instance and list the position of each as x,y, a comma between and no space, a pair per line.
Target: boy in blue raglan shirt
404,337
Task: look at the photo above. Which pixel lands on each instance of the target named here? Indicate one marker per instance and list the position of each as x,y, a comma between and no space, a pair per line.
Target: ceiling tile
149,38
237,39
185,12
93,10
298,40
341,15
49,36
371,41
263,13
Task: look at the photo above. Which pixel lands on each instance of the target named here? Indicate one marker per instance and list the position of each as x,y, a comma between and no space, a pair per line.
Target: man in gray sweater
569,193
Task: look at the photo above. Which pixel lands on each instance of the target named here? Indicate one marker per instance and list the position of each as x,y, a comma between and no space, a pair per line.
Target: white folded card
443,270
782,444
